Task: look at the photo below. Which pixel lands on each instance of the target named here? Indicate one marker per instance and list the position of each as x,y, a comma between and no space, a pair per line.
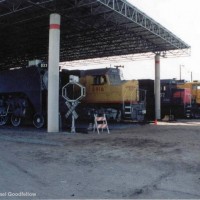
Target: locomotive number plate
97,89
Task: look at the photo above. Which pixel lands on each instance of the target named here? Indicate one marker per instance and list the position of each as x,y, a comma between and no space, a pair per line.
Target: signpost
72,92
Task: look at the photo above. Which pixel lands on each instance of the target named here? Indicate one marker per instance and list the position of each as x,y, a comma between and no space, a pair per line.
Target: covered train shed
59,31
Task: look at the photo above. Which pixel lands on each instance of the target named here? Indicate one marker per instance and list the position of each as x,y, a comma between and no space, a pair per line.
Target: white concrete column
53,74
157,87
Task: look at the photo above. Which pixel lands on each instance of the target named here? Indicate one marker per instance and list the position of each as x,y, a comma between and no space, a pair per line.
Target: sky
181,17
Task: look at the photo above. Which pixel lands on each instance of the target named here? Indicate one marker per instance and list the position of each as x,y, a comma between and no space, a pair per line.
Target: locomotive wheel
3,120
38,121
16,121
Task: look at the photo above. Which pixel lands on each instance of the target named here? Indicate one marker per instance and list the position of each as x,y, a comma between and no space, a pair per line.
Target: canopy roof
89,29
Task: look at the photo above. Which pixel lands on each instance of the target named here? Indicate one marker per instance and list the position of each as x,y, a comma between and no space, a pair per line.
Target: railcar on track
23,95
107,92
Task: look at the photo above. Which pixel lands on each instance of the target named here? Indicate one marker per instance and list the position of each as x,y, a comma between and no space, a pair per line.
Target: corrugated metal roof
89,29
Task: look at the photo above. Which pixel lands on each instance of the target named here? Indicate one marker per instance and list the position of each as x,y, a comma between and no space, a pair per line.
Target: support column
157,87
53,74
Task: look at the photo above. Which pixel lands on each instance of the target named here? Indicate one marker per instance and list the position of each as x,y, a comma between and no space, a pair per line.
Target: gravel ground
133,162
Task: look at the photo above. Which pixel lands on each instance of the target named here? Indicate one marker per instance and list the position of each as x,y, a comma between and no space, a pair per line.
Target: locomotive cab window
99,80
164,88
196,87
115,79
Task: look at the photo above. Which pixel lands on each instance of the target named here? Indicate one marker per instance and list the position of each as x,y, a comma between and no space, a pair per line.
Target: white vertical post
53,74
157,87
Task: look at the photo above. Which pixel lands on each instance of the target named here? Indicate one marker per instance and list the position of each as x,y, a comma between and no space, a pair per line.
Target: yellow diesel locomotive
195,90
107,92
194,107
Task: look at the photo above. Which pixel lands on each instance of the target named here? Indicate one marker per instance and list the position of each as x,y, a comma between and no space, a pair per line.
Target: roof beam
135,15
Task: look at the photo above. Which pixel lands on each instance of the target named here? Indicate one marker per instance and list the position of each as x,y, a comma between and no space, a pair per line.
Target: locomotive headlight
141,112
144,112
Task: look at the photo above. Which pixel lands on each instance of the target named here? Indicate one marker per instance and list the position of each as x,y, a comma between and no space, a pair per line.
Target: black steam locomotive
23,94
